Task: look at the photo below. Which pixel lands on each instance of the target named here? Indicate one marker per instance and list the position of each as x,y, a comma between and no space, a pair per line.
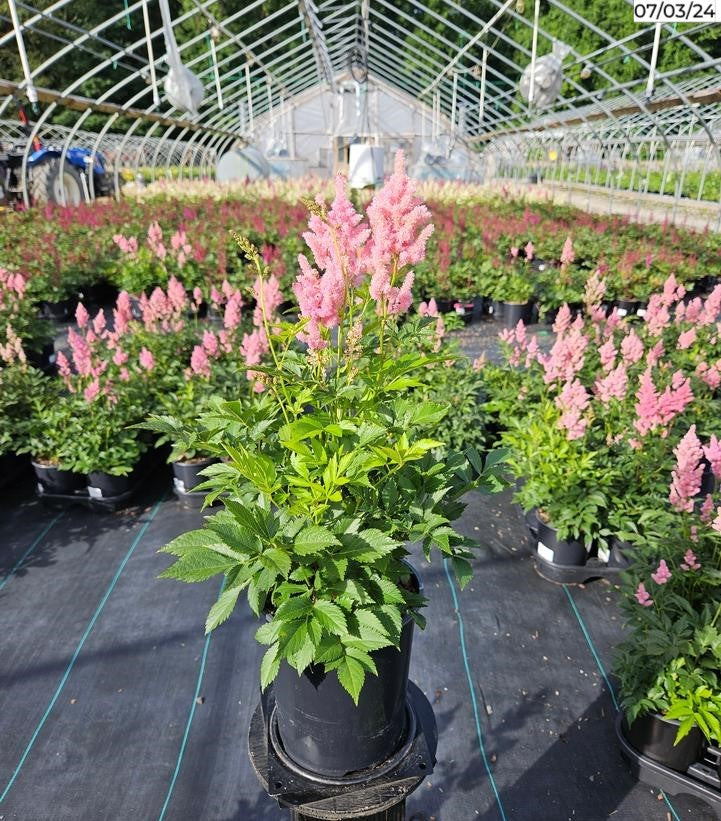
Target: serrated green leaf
313,540
391,594
276,559
197,566
363,658
351,675
295,608
463,570
222,609
367,620
267,633
191,541
331,617
269,666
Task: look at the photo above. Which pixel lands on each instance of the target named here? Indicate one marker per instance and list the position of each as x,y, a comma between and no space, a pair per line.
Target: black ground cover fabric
114,705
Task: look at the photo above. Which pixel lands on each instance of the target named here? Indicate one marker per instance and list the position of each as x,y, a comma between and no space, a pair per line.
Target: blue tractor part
69,185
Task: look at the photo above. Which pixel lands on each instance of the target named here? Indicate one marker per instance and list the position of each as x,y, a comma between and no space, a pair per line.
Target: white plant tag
545,552
621,311
460,310
95,492
179,485
604,554
641,312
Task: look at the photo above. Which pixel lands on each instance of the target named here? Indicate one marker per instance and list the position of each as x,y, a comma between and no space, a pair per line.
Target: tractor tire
46,185
39,181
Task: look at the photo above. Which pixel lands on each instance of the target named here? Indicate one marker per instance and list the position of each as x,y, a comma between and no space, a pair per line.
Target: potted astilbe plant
668,666
326,476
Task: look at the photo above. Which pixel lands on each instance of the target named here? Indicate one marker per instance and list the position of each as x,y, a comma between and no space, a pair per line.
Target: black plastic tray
576,573
593,569
700,780
142,473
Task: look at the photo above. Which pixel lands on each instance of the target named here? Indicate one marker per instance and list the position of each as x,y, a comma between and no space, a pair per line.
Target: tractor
47,180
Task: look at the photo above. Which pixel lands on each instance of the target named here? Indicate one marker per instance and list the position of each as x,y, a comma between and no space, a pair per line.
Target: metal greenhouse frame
657,134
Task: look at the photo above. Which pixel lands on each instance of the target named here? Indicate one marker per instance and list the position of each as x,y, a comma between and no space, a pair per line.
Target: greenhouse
393,330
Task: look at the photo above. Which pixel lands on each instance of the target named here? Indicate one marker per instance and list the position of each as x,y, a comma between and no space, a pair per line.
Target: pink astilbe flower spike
81,315
232,315
690,562
687,475
563,319
120,357
92,391
272,298
82,355
401,226
673,291
712,452
572,402
613,386
567,254
338,242
642,595
529,251
146,359
657,315
99,323
631,348
567,355
716,524
654,355
428,309
707,508
711,308
210,343
607,353
662,574
176,294
254,347
686,339
199,362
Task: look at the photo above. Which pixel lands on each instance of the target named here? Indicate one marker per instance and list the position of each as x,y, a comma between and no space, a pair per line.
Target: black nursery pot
186,475
55,481
555,550
653,736
105,486
496,309
60,311
514,311
629,307
323,731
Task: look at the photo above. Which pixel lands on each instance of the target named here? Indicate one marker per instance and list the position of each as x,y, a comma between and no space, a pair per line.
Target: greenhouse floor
115,706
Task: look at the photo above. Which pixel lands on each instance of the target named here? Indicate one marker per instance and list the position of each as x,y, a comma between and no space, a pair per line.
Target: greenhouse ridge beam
84,104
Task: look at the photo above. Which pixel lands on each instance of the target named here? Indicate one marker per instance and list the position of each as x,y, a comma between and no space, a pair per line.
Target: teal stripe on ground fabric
38,539
85,635
181,752
472,690
602,669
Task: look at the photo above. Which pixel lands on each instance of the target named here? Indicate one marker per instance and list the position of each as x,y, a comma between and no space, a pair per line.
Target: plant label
544,552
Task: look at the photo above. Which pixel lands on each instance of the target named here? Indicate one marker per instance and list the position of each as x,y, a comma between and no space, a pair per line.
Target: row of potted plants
484,245
610,439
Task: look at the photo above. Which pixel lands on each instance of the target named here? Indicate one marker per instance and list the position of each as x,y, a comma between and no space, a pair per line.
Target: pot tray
575,573
594,568
701,780
314,798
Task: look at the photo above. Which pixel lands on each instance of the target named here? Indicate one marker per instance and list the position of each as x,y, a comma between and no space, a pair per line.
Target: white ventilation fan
182,88
548,77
